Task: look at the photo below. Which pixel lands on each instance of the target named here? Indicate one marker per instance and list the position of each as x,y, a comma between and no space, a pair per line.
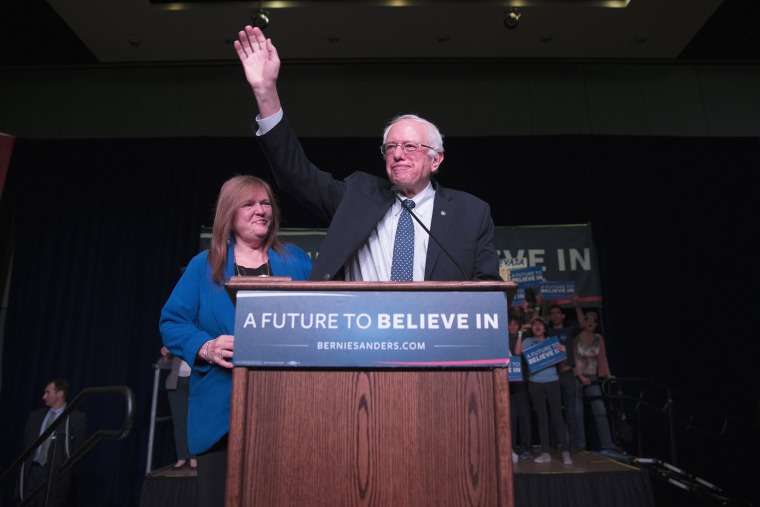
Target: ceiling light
260,18
615,4
512,18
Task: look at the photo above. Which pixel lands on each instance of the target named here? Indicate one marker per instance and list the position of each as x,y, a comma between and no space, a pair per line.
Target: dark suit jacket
76,429
353,207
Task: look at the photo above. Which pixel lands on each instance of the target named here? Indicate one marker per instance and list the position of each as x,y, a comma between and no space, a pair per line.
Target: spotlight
512,18
260,18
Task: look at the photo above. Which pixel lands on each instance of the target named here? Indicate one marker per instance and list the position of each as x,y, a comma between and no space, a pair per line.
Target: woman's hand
219,351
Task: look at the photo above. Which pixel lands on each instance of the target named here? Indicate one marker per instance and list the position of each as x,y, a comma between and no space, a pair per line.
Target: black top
263,270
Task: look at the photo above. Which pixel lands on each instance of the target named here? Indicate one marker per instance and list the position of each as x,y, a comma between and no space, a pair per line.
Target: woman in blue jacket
198,320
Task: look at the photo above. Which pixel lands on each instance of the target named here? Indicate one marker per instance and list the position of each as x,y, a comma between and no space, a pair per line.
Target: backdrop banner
565,253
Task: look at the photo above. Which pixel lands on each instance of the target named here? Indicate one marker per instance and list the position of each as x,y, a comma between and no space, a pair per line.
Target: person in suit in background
178,391
71,434
198,320
363,210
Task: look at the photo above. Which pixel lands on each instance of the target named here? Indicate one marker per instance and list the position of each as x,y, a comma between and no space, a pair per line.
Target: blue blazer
353,208
199,310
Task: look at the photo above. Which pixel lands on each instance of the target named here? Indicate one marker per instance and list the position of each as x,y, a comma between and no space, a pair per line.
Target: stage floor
169,471
592,480
583,462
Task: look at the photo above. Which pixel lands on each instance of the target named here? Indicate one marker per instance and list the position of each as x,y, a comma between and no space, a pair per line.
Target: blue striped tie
402,266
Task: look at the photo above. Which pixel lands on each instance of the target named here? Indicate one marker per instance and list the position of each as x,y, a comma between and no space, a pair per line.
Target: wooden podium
369,436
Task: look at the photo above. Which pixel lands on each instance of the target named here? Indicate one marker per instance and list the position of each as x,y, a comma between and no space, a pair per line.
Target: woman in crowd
590,366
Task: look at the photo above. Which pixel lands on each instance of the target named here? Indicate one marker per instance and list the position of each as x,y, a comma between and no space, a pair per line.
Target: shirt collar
421,199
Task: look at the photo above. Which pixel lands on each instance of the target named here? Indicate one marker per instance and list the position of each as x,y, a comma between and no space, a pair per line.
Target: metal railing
57,466
157,367
667,425
654,404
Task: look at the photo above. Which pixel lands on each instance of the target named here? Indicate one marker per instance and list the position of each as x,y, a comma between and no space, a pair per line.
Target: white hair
435,138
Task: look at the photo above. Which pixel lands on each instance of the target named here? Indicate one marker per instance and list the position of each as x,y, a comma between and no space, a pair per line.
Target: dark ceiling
730,34
33,34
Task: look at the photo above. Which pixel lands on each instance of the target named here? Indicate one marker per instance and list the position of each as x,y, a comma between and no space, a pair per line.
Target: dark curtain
101,228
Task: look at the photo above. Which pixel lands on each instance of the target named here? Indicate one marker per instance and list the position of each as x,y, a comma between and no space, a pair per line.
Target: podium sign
380,329
371,432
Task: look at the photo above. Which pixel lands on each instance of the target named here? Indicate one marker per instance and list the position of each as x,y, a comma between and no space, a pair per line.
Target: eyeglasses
408,148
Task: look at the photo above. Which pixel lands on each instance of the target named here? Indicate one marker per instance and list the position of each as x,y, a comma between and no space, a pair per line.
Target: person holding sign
198,320
370,217
567,378
545,393
519,399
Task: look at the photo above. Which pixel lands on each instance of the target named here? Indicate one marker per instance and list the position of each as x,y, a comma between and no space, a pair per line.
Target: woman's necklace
263,270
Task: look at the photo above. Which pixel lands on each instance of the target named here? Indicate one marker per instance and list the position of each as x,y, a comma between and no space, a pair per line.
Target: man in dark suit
363,210
71,434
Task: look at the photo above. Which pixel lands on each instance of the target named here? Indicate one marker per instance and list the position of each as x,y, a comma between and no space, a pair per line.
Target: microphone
443,249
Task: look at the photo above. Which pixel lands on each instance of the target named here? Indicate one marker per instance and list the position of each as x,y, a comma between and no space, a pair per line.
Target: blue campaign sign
553,291
514,370
385,329
544,354
527,277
